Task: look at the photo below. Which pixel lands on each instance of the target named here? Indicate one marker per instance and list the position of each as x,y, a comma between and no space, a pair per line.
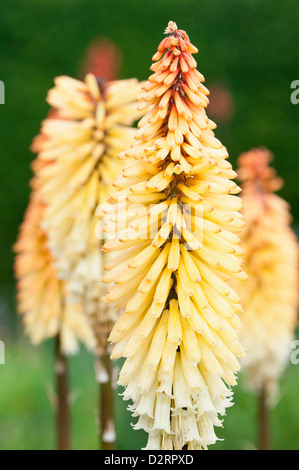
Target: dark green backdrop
248,46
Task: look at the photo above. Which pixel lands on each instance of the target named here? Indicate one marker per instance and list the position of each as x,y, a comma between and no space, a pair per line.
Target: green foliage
27,402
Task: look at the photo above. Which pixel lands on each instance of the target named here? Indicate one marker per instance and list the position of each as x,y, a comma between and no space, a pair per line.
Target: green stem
264,422
106,403
63,412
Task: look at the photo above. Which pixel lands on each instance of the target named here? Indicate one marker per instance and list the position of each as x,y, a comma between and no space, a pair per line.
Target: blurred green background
249,54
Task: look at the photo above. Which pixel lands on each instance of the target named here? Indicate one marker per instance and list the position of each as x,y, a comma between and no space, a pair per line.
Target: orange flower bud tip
192,49
173,41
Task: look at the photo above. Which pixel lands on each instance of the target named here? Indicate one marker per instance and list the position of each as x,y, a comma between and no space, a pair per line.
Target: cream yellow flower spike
90,124
43,299
270,297
175,218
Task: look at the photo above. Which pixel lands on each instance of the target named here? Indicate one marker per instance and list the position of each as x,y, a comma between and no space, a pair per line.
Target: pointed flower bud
175,217
89,126
43,299
270,297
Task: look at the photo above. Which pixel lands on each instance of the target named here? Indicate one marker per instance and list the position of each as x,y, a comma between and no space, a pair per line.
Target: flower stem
106,403
264,424
63,412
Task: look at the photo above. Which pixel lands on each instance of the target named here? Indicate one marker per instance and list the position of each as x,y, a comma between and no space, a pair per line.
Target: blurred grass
27,413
